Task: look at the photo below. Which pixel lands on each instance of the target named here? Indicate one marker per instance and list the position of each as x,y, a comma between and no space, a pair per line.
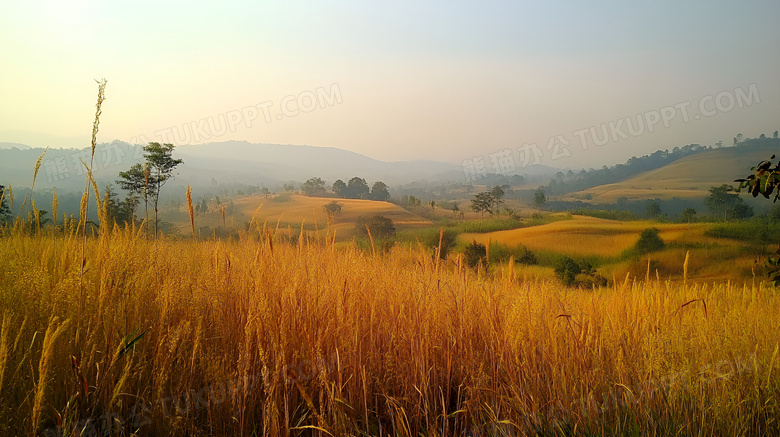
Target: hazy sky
444,80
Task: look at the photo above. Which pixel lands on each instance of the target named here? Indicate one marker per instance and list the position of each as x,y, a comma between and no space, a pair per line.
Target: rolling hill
689,177
295,211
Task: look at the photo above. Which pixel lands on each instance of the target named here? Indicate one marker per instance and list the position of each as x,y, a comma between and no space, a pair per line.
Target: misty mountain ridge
238,162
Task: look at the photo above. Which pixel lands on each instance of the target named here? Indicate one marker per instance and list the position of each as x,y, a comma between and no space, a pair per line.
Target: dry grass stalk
190,209
44,369
685,266
54,204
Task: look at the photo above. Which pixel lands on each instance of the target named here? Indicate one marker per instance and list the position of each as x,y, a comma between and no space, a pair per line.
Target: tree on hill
649,241
379,191
314,187
161,165
340,188
482,203
357,188
539,199
136,182
724,201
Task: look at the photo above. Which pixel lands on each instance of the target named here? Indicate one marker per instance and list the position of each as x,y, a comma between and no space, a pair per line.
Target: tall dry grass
266,337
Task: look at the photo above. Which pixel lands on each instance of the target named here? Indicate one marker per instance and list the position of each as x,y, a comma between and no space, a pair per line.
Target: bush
448,240
567,270
572,273
502,253
474,254
380,226
649,241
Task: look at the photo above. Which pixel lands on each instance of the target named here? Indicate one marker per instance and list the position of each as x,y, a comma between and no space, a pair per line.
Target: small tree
357,188
649,241
314,187
161,166
482,203
688,215
539,199
340,188
379,191
136,182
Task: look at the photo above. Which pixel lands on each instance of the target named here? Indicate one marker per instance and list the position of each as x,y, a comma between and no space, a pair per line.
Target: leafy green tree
483,203
723,200
314,187
161,165
379,191
539,199
136,182
413,201
357,188
649,241
774,135
340,188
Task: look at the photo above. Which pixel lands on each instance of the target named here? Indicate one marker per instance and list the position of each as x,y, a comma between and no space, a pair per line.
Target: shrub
649,241
475,253
380,226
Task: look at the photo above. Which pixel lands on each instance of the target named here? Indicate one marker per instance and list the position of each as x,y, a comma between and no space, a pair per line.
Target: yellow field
300,209
589,236
255,337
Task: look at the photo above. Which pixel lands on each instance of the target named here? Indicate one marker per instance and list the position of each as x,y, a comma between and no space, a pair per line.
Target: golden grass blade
54,204
37,167
190,209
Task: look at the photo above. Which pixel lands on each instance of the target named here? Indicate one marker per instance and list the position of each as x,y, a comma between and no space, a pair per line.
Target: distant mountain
14,146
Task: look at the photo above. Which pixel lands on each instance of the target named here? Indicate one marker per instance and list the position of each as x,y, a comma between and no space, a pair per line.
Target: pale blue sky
433,80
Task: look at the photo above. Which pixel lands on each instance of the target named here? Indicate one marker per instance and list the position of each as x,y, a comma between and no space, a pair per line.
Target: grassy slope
689,177
606,240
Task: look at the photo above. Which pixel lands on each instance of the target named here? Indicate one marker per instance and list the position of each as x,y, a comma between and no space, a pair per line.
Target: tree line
356,188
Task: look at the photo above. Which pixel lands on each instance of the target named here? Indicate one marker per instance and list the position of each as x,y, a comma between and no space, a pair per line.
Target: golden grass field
582,236
263,337
300,210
